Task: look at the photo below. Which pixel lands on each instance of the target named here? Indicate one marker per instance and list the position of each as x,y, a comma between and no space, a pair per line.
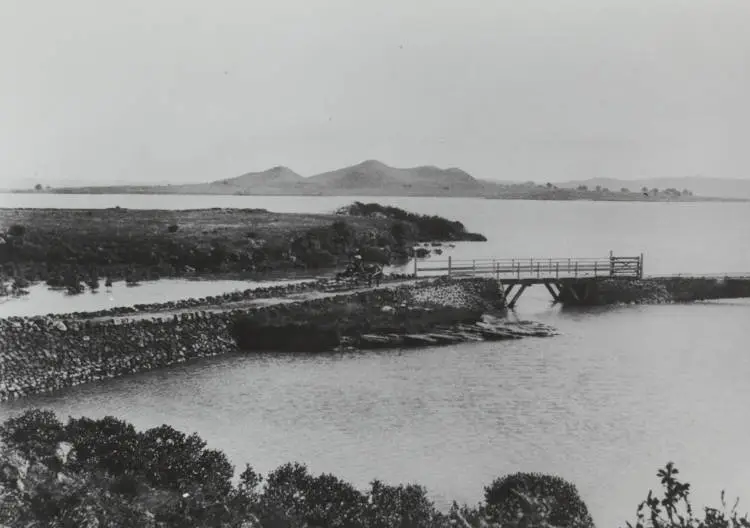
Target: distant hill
277,180
708,187
367,178
277,176
374,176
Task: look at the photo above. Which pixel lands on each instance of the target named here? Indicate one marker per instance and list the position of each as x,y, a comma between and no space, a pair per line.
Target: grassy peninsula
62,246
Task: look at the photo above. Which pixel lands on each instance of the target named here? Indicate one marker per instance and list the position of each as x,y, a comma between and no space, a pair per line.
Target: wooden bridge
556,274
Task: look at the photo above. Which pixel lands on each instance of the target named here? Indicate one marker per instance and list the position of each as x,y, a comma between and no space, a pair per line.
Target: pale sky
186,90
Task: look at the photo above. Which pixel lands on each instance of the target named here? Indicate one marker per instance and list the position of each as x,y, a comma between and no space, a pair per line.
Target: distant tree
549,185
644,189
598,188
655,191
38,187
687,192
582,188
624,190
605,189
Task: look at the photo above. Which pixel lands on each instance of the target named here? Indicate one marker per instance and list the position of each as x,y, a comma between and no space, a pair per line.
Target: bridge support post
517,296
640,267
551,290
450,265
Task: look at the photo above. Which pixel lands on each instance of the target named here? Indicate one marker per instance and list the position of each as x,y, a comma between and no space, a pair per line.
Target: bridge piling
551,290
517,296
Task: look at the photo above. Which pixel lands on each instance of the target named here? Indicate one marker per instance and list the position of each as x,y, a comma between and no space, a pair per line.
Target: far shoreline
580,196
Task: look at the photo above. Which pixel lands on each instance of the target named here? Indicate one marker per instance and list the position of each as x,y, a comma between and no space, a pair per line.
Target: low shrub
507,498
169,479
674,510
35,433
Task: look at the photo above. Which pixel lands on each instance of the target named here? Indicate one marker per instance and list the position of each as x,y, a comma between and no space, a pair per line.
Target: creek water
621,391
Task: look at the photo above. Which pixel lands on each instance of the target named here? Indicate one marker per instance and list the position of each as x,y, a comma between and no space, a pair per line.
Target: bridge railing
614,267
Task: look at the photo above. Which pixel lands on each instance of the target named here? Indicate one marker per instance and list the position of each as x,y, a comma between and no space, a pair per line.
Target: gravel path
255,303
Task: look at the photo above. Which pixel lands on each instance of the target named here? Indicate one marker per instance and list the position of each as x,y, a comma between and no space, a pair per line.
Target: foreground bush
674,510
506,499
104,473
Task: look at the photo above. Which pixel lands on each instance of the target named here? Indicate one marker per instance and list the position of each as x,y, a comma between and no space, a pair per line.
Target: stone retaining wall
43,354
270,292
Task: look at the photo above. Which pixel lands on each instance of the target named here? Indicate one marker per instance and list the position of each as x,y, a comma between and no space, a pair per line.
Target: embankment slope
43,354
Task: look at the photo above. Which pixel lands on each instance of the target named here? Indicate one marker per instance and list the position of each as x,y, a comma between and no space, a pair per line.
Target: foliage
505,499
170,459
35,433
376,255
117,476
401,506
429,227
674,510
17,230
108,444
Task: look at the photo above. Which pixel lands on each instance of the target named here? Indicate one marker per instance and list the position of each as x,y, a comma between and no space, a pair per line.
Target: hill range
374,178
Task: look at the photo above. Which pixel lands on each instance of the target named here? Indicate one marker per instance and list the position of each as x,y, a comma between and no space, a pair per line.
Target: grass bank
68,247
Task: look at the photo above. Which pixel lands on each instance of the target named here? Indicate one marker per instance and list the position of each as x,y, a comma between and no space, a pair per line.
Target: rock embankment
197,303
654,290
435,312
44,354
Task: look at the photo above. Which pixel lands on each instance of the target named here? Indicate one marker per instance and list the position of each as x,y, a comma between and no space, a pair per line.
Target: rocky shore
42,354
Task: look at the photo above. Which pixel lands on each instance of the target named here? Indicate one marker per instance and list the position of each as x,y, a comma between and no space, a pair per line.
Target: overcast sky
188,90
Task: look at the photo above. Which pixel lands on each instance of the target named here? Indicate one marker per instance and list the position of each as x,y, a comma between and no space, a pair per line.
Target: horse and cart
358,271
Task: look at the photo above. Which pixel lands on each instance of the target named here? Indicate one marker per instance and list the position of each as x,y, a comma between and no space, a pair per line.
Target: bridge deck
537,270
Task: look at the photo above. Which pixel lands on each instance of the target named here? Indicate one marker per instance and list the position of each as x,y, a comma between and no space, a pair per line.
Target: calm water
620,392
43,300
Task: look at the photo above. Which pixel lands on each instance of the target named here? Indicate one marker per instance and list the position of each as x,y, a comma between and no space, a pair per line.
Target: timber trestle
574,289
